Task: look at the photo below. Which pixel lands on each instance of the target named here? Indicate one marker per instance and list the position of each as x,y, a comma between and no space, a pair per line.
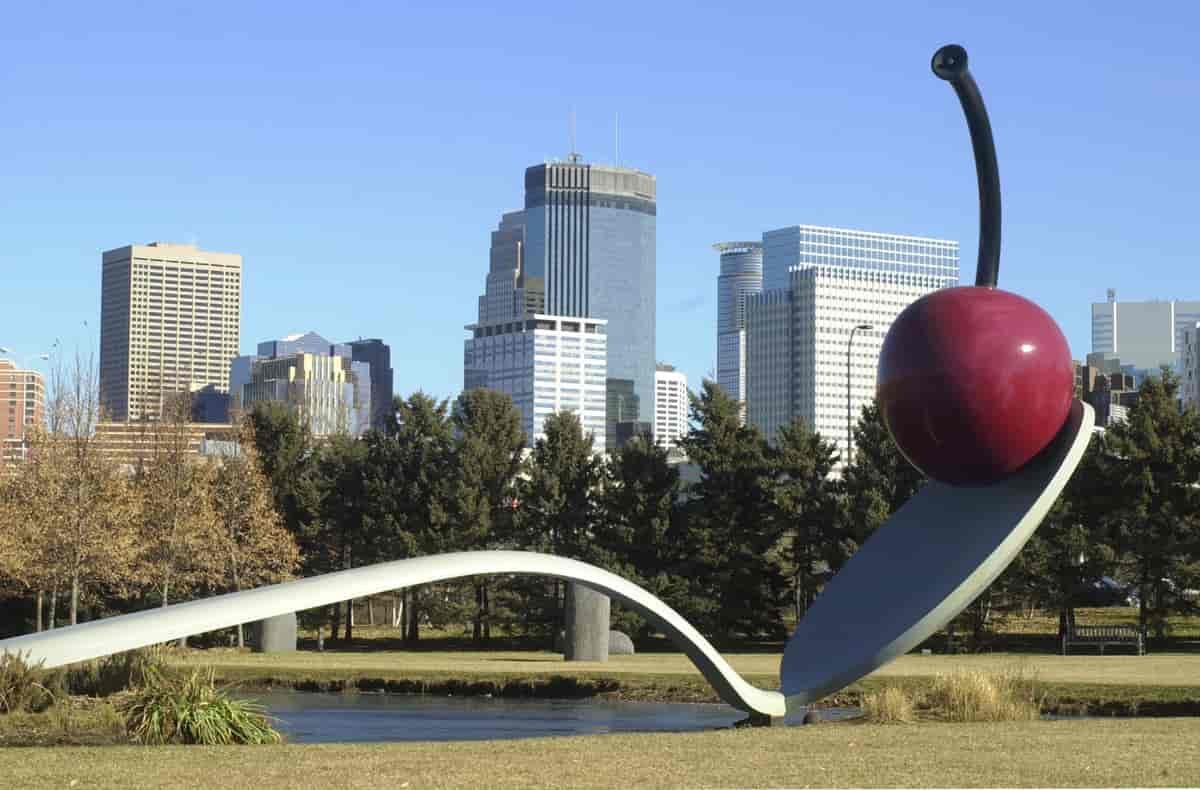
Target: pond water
361,718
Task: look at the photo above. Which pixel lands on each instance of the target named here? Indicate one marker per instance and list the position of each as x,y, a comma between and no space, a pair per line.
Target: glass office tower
741,276
584,247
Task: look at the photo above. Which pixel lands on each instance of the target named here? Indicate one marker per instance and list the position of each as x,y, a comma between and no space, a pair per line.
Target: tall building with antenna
584,247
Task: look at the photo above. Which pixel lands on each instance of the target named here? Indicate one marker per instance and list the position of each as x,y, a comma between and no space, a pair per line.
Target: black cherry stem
950,63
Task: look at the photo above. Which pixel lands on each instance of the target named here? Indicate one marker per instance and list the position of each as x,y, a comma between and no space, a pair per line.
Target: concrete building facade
22,406
170,321
670,405
801,246
1145,335
319,381
741,277
130,444
1189,366
798,337
546,364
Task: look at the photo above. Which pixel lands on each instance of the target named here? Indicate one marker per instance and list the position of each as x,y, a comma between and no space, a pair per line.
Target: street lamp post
849,413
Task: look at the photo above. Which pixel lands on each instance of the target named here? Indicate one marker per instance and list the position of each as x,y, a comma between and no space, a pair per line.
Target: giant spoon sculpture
975,385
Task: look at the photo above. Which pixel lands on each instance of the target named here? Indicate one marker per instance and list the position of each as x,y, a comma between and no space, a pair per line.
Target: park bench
1102,635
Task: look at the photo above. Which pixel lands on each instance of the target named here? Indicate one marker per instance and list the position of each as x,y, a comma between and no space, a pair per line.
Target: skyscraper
798,337
170,322
670,405
1145,335
584,247
741,276
590,252
378,355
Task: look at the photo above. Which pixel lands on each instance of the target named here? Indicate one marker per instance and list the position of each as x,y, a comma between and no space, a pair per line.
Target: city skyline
310,200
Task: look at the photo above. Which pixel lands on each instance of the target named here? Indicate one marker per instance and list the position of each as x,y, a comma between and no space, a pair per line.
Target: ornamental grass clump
192,710
986,696
24,687
889,705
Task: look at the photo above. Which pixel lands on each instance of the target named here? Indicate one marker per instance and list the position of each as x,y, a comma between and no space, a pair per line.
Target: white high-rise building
1145,335
670,405
799,358
546,364
170,322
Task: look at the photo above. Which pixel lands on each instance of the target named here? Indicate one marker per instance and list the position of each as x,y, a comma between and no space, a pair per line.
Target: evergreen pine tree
731,540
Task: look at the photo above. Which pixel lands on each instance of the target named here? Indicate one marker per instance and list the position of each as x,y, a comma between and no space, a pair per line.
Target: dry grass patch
1012,695
889,705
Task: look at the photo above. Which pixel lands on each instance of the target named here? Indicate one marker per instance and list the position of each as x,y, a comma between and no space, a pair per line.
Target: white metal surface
931,559
126,632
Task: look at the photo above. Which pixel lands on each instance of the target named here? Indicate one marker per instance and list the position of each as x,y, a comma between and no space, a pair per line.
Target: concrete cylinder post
274,635
587,618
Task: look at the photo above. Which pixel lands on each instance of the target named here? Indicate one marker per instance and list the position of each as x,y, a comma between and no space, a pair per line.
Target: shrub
115,673
192,710
69,722
889,705
24,687
982,696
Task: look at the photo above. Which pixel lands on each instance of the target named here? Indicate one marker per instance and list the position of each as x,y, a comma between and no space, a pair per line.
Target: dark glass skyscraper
589,251
378,355
584,246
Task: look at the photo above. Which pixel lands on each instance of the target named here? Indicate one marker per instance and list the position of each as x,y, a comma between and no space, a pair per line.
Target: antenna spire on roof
574,155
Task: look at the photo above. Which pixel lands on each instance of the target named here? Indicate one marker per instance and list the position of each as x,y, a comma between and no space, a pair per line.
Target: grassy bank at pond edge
1160,685
1094,753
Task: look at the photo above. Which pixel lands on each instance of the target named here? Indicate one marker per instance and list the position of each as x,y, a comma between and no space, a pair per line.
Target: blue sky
359,154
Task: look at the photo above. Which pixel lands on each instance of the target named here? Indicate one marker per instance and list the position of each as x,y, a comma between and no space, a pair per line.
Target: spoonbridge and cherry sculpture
976,387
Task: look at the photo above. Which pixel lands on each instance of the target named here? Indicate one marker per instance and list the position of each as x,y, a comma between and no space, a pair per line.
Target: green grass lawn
1093,753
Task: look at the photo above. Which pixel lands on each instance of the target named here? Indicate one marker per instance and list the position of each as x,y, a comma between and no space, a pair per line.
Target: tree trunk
39,611
477,625
370,611
336,621
412,612
487,613
347,564
53,605
237,587
74,598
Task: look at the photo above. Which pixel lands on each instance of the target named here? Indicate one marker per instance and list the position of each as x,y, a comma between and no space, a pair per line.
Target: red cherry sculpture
974,381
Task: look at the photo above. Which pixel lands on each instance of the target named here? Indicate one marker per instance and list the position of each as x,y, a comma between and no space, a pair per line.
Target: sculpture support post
275,634
587,618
